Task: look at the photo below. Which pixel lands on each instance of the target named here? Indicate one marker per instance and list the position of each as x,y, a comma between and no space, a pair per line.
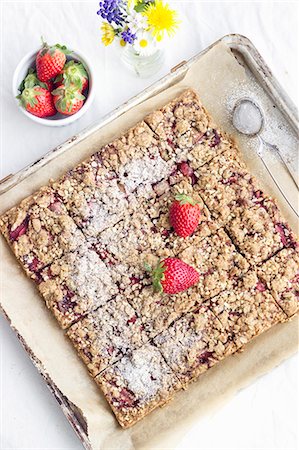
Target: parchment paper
217,76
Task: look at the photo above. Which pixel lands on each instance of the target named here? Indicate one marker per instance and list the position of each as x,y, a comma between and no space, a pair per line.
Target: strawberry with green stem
68,99
172,275
184,215
50,60
37,101
73,73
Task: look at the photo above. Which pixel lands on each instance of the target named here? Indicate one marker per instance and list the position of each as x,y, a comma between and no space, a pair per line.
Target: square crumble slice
281,275
187,129
39,230
137,384
157,310
107,334
260,231
93,195
216,260
78,283
246,311
136,159
194,343
226,186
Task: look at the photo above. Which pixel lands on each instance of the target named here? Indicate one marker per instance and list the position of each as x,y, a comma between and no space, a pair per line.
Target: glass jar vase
142,66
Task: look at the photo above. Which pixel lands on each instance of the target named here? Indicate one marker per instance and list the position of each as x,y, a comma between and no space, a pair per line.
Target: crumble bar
107,334
93,196
259,232
186,127
78,283
136,159
226,186
194,343
281,275
137,384
246,311
39,230
216,260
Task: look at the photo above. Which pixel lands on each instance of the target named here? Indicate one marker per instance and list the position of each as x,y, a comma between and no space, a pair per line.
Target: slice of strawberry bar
93,196
281,275
259,232
136,159
194,343
187,129
39,230
217,261
247,310
137,384
107,334
78,283
226,186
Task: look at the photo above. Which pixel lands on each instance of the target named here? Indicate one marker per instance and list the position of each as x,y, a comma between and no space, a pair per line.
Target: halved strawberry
38,101
50,61
172,275
73,73
184,215
68,99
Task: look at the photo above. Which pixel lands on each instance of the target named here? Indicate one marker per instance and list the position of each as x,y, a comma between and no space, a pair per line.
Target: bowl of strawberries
53,85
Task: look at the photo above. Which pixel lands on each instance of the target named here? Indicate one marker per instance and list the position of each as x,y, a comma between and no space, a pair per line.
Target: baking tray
246,55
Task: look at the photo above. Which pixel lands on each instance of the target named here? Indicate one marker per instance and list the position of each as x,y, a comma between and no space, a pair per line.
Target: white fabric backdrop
263,416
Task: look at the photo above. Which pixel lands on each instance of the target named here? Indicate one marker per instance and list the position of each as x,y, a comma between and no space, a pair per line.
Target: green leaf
147,267
185,199
158,276
63,49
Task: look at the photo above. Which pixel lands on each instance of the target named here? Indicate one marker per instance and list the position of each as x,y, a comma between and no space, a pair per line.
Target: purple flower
128,36
111,11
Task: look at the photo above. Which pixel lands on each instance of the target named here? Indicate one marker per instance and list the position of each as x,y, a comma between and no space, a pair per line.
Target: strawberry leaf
158,276
63,49
147,267
185,199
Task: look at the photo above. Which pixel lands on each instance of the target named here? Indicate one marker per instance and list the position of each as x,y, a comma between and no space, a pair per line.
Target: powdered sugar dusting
145,372
276,129
147,170
90,277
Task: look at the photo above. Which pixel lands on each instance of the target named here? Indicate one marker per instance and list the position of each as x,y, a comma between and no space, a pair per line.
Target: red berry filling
66,303
35,265
285,235
132,320
260,286
216,139
19,230
205,358
126,399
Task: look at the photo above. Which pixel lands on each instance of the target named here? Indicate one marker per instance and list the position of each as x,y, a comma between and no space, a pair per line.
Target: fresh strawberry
38,101
31,80
184,215
172,275
50,61
73,73
68,99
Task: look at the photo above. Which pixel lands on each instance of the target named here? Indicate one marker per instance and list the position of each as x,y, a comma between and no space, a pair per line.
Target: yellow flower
161,18
108,33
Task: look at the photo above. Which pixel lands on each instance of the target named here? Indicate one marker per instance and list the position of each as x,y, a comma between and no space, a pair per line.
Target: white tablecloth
263,416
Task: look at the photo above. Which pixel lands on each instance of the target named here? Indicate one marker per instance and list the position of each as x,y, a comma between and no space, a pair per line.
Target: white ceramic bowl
59,120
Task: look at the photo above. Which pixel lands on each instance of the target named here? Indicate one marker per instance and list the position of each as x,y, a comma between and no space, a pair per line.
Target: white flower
136,21
144,43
